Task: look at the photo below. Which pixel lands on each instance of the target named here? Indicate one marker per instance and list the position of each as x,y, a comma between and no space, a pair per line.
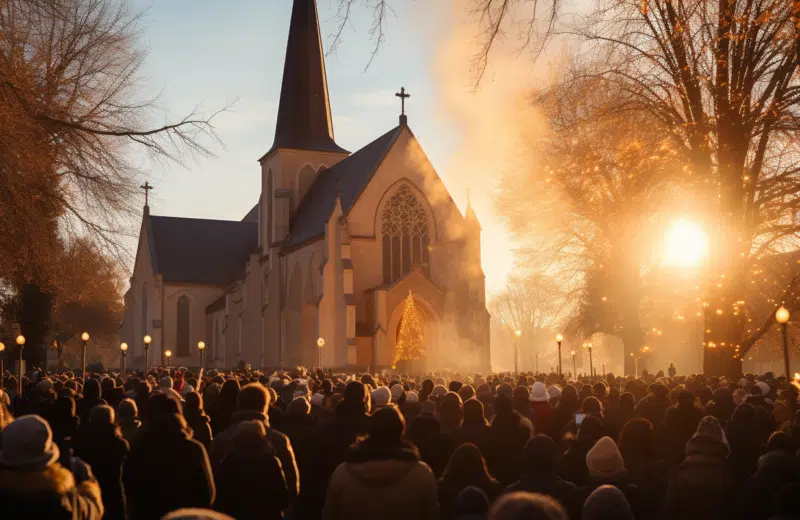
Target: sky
209,54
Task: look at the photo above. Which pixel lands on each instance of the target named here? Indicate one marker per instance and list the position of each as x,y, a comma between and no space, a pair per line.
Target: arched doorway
428,335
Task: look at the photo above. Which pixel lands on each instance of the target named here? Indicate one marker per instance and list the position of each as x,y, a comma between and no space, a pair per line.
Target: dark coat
566,493
50,493
300,429
679,426
223,443
164,458
700,488
507,438
654,409
201,427
434,447
759,494
474,433
102,448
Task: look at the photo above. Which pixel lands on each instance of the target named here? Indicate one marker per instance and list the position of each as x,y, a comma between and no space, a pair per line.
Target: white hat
166,382
539,393
412,397
554,392
381,396
764,387
187,389
397,392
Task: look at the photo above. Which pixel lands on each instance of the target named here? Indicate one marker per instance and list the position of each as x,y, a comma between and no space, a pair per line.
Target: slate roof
353,174
252,215
201,250
304,113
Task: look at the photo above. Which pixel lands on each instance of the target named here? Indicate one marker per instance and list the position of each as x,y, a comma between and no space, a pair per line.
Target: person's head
253,397
300,406
249,437
538,393
627,403
92,390
387,427
540,456
590,430
194,402
467,464
686,399
472,502
28,444
592,406
356,398
381,396
101,415
474,412
780,441
160,405
607,503
466,393
522,505
569,396
605,462
710,425
166,382
637,439
127,410
63,408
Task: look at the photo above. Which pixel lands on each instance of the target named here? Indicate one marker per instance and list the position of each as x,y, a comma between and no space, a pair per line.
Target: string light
410,341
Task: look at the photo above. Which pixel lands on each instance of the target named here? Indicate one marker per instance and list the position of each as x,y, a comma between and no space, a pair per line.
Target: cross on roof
146,187
403,95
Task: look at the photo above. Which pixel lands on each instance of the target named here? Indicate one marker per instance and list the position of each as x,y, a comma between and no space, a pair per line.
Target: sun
686,244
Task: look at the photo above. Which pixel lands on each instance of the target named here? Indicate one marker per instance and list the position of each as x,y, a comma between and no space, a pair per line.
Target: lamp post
167,355
21,343
147,340
559,339
123,359
85,339
320,344
574,366
517,334
201,346
588,346
635,365
2,364
782,316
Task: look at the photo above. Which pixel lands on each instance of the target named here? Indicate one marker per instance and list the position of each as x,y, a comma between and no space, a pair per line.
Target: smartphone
579,418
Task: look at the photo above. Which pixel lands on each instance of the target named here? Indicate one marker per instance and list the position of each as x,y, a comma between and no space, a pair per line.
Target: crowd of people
299,445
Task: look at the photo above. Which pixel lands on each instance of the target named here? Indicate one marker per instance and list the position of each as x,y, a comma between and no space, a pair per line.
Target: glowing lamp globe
168,353
573,352
518,333
123,347
782,315
2,347
147,340
20,340
559,337
320,342
85,336
201,345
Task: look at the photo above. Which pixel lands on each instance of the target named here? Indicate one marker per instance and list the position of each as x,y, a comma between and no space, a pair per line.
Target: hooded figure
383,477
34,485
472,504
543,412
197,419
128,418
466,468
607,467
607,503
475,428
426,434
509,434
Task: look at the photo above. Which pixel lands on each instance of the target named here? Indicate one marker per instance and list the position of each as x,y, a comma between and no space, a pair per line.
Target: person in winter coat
572,466
225,407
252,405
475,428
129,422
679,426
32,482
700,488
745,434
426,434
645,469
166,469
197,419
564,412
103,448
250,479
465,468
382,477
607,503
607,467
654,406
543,413
65,424
472,504
521,404
299,426
92,392
760,493
539,474
509,434
451,413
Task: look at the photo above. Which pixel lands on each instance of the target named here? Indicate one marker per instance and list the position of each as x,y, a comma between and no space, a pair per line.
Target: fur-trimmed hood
52,480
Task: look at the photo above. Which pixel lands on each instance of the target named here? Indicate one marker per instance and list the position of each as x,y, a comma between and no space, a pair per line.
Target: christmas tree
410,342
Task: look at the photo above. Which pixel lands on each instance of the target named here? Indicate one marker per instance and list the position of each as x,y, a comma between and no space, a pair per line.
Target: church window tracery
405,233
183,322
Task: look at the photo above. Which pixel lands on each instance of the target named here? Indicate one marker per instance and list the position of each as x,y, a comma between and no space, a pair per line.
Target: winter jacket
103,449
543,418
434,447
166,470
507,438
50,494
223,444
201,428
391,484
130,429
654,409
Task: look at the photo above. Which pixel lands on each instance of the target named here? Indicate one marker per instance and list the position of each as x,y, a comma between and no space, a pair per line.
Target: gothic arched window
405,235
183,323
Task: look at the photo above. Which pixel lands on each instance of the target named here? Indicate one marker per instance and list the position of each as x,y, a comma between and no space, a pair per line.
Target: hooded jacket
387,484
50,493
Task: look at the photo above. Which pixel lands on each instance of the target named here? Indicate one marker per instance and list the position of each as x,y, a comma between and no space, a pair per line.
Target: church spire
304,114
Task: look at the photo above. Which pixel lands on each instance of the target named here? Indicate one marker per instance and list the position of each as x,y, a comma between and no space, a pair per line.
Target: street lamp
517,334
85,339
21,343
588,346
559,339
167,355
2,364
124,348
147,340
320,344
574,366
201,346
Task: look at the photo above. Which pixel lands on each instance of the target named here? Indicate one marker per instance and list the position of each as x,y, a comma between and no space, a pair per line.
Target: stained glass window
405,235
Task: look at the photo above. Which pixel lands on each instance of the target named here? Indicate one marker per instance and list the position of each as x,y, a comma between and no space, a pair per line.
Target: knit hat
607,502
166,382
604,460
439,391
428,408
539,393
45,385
28,444
412,397
764,387
381,396
397,392
711,426
187,389
555,392
317,400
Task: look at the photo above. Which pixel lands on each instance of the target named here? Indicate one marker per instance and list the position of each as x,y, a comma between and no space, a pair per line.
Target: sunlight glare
686,244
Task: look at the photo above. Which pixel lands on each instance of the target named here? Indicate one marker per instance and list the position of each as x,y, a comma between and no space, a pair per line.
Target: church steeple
304,114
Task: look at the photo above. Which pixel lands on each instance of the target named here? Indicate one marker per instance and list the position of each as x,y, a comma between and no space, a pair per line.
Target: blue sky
212,53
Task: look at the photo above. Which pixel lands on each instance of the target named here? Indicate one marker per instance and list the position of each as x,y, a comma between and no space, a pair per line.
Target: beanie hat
45,385
187,389
166,382
539,393
607,502
439,391
381,396
397,392
711,426
554,391
412,398
604,460
317,400
764,387
428,408
28,444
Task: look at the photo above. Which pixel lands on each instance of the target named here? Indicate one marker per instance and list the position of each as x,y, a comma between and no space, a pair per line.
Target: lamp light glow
782,315
123,347
20,340
85,336
559,337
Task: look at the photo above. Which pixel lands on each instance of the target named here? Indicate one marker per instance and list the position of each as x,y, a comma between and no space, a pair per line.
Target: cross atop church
146,187
403,95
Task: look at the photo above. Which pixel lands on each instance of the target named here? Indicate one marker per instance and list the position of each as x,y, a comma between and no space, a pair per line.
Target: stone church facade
331,250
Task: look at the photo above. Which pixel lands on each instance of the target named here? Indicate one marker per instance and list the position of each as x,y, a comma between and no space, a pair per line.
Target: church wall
303,290
251,314
199,297
142,293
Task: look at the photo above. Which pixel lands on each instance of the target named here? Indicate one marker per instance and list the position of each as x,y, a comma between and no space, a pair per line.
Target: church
319,271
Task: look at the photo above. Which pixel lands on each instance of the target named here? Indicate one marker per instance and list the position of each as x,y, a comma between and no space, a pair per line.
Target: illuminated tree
410,341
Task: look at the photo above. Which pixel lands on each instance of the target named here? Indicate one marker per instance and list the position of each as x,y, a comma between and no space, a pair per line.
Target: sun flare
686,244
